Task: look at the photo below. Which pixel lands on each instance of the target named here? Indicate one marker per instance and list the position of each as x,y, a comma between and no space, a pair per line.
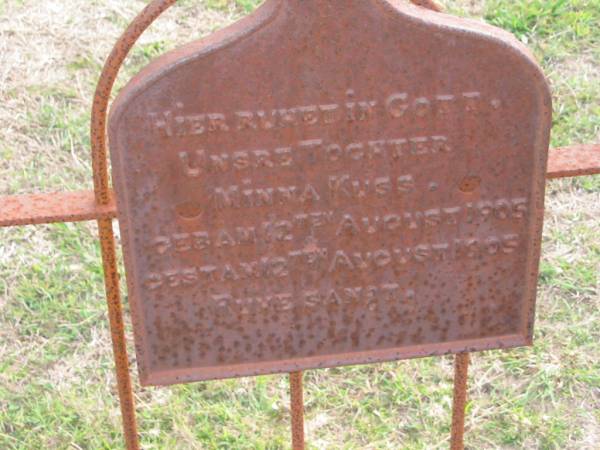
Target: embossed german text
362,200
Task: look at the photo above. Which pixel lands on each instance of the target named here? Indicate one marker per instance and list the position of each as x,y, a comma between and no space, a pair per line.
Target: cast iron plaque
330,182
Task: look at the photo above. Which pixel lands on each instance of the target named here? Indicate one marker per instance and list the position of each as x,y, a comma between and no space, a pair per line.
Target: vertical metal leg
297,403
461,373
117,330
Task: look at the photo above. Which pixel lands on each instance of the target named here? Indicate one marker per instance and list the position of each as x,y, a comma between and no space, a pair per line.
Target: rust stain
470,183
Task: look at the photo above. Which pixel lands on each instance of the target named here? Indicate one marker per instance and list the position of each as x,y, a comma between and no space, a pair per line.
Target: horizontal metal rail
54,207
574,161
80,206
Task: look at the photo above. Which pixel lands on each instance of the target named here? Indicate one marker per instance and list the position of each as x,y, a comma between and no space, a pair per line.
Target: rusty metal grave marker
326,182
330,182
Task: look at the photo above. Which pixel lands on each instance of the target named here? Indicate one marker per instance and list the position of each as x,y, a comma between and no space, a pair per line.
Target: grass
57,387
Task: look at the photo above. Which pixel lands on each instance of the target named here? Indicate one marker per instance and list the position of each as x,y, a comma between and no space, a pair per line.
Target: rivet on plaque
330,182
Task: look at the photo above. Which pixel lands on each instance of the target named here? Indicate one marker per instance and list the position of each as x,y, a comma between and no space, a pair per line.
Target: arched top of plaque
329,182
358,26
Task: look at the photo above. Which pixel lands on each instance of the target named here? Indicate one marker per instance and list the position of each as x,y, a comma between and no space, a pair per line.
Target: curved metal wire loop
104,89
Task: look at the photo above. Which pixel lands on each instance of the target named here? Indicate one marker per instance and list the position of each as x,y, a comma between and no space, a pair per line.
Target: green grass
244,5
57,387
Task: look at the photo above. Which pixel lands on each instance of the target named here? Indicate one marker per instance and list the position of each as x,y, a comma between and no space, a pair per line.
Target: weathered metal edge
187,375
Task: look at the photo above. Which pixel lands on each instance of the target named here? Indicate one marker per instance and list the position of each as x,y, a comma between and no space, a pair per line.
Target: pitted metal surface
574,161
330,182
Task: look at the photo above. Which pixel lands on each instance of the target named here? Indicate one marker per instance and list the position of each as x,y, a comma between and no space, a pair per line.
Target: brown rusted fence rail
100,205
78,206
